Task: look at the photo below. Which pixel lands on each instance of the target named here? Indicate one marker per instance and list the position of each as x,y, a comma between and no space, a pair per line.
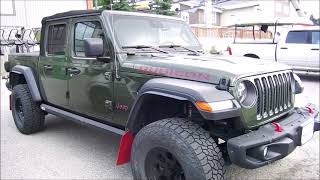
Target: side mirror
93,47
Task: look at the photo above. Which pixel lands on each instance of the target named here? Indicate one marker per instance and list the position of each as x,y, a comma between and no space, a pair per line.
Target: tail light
229,50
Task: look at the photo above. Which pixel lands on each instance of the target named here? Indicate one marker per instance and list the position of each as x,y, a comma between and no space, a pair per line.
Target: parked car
182,114
296,46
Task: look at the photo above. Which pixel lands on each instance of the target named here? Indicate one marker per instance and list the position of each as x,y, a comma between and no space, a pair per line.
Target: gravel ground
66,150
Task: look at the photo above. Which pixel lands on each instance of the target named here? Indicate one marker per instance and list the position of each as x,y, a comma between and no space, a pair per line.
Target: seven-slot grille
274,94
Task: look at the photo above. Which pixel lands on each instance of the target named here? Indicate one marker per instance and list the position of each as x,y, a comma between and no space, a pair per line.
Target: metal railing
18,38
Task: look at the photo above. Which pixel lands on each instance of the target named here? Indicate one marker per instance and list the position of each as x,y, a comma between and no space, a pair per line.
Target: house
199,13
234,11
210,13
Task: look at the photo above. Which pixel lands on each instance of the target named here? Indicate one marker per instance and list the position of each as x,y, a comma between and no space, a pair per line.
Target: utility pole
297,7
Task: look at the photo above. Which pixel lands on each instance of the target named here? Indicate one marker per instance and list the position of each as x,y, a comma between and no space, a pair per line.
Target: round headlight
246,93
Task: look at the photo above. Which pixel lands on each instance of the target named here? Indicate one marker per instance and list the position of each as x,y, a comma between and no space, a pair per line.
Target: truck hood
204,68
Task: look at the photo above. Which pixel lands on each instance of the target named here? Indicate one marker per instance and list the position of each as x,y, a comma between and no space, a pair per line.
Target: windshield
151,31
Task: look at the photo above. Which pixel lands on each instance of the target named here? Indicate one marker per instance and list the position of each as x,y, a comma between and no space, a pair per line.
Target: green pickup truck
182,114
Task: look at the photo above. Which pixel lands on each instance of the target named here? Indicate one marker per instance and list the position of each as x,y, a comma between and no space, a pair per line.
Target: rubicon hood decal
173,72
205,68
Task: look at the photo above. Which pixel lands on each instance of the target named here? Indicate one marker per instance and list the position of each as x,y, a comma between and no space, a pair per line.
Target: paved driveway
66,150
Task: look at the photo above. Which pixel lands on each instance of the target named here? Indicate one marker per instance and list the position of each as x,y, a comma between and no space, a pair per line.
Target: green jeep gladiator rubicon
182,114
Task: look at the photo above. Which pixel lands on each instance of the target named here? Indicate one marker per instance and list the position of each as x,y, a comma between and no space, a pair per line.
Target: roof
76,13
141,14
81,13
306,28
232,4
274,21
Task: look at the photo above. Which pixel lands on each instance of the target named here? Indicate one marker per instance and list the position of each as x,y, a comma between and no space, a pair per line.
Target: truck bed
27,59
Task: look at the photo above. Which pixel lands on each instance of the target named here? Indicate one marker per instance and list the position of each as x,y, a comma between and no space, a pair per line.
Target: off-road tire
192,146
33,117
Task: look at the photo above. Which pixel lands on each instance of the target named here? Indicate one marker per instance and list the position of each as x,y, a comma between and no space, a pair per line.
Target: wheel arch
167,92
176,91
24,75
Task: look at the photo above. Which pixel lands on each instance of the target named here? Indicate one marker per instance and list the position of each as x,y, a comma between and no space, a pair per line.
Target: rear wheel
175,149
27,115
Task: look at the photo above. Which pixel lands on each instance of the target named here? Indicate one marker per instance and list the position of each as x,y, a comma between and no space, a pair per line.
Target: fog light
265,151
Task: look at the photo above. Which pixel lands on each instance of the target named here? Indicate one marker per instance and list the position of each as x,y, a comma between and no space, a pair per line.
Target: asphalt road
66,150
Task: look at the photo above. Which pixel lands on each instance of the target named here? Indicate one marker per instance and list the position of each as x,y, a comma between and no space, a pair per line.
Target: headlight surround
246,93
297,86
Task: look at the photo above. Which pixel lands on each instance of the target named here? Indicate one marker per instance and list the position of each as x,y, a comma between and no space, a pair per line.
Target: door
53,64
294,49
91,81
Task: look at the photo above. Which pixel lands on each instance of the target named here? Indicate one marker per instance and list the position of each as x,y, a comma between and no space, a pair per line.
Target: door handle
283,48
73,71
48,67
315,49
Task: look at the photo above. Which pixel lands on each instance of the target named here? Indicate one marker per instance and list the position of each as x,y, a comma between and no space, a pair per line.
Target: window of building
56,39
83,30
214,17
297,37
213,13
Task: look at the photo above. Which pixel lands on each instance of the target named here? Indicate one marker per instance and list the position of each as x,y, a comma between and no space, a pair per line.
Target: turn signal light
214,106
204,106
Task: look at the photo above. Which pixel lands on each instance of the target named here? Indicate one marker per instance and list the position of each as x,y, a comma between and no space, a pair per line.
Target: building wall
266,9
28,13
229,17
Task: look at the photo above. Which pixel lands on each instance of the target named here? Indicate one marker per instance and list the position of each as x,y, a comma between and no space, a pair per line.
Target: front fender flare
183,90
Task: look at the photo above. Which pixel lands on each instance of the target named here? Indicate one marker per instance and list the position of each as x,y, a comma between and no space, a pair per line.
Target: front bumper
265,145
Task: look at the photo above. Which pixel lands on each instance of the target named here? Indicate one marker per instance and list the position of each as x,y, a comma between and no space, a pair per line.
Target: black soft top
64,15
70,14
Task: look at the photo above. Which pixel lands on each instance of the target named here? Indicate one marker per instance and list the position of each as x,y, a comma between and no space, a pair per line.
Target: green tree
163,7
120,5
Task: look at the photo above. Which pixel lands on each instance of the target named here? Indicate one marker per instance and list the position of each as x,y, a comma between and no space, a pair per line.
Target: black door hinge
68,95
108,105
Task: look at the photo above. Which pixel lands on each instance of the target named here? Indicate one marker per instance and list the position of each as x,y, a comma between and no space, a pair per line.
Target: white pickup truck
297,46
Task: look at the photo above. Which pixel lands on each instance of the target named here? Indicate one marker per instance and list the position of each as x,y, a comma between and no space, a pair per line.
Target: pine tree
164,7
120,5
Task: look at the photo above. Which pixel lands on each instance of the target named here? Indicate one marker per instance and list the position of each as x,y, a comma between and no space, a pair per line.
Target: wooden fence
222,32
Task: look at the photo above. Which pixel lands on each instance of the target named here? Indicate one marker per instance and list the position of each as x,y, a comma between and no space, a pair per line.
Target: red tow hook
277,127
310,110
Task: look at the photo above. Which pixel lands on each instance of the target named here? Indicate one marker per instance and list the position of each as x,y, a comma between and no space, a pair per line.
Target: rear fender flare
28,75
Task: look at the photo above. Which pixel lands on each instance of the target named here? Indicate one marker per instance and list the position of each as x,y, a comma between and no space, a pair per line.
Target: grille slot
274,94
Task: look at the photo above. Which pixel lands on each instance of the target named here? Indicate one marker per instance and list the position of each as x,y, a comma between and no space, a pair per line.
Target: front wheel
175,149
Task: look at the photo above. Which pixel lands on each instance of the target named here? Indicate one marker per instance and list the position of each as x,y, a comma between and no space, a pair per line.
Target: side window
83,30
297,37
315,37
56,41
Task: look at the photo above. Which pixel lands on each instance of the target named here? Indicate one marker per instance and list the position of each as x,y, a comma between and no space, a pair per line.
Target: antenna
114,43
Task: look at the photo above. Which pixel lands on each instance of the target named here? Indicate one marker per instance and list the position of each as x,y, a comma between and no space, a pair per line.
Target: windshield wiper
143,47
175,45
